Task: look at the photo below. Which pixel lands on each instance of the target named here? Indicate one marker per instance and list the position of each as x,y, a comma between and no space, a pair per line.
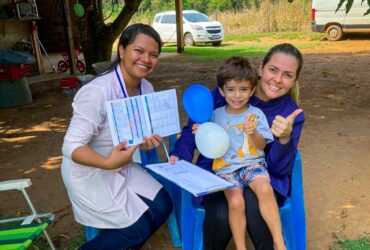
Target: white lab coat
102,198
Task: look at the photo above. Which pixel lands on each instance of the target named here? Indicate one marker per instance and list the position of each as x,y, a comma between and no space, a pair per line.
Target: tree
349,4
101,36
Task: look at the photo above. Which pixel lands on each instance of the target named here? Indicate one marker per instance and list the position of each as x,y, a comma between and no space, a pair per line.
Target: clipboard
190,177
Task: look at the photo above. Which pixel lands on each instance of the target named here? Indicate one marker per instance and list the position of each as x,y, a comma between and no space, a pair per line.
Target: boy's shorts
243,176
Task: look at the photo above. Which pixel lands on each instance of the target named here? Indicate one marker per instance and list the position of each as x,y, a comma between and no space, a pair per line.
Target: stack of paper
135,117
191,177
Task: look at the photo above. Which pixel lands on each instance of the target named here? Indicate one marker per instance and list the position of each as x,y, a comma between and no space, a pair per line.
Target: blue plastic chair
151,157
186,221
292,215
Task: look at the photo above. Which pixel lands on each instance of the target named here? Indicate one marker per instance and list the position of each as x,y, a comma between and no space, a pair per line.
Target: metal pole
43,49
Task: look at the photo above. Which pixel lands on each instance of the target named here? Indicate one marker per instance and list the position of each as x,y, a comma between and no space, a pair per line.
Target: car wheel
217,43
188,39
334,32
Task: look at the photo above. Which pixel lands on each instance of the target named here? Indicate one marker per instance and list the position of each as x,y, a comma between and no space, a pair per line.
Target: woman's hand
120,156
151,142
173,159
282,127
195,127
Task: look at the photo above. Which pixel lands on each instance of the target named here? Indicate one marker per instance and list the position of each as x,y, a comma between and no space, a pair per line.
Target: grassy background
250,29
249,45
359,244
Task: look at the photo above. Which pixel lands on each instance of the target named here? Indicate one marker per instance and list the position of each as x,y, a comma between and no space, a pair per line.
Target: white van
198,28
334,24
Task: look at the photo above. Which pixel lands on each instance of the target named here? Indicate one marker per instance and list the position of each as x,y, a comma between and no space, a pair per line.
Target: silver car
198,28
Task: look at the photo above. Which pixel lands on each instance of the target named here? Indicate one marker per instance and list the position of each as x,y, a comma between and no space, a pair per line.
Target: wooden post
179,27
268,17
36,47
69,38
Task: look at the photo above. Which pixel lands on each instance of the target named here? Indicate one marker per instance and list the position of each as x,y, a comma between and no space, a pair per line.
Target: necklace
121,84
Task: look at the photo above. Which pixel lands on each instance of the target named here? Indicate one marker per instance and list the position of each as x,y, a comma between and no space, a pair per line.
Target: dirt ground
335,143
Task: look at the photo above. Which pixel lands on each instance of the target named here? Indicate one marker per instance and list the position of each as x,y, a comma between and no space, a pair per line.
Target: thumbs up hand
282,127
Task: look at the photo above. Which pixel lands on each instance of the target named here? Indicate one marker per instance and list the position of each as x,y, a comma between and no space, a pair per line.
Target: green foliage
349,4
111,10
205,6
358,244
149,8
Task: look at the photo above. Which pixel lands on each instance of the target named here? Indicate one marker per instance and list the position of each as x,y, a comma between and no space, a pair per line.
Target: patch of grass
76,242
258,44
310,36
210,53
358,244
205,53
315,36
73,244
245,37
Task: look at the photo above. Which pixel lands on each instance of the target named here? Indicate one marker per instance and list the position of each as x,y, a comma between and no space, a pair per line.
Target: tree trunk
100,36
99,49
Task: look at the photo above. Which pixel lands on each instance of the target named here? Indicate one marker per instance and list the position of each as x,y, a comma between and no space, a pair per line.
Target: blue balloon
198,103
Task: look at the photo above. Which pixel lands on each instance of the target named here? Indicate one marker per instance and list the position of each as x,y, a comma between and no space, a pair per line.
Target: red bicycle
63,65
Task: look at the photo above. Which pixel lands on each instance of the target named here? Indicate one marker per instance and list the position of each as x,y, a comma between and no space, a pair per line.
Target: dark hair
130,33
128,36
287,49
238,69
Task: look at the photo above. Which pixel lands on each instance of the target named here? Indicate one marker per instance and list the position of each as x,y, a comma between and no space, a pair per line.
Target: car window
196,17
168,19
156,20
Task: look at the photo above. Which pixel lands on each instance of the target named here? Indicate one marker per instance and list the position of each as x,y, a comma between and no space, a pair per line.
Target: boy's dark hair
236,68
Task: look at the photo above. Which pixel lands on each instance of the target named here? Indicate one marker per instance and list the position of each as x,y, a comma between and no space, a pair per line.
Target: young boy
244,163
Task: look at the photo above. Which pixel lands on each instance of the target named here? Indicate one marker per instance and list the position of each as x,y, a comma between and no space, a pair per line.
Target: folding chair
151,157
292,215
21,236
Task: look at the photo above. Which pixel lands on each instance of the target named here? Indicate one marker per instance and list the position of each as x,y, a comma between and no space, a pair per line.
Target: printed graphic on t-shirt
245,150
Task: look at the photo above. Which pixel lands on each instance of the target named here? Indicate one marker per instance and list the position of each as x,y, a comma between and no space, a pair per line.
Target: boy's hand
195,127
250,124
173,159
151,142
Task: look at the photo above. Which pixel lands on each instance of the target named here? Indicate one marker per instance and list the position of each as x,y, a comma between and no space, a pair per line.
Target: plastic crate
69,85
14,72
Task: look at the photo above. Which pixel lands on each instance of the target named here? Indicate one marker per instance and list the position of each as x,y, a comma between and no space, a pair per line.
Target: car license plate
214,37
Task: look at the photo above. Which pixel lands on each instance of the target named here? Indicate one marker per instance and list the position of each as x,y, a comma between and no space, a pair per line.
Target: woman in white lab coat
107,190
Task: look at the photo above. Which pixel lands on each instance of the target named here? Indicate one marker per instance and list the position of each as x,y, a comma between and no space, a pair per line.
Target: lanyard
121,84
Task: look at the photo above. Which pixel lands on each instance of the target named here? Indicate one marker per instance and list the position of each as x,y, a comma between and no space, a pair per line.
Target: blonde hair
287,49
294,92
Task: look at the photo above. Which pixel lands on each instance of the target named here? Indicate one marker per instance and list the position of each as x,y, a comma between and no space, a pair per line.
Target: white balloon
212,140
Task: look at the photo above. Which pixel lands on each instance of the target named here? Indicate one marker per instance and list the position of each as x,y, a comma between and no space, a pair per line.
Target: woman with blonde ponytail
277,96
